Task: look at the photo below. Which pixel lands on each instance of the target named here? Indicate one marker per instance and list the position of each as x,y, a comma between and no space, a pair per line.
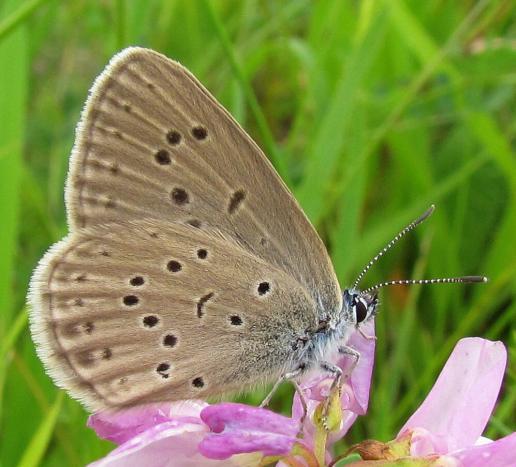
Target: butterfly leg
336,372
304,404
337,375
281,379
345,350
365,336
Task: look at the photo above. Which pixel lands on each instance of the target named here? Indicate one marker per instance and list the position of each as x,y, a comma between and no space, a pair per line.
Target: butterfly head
359,307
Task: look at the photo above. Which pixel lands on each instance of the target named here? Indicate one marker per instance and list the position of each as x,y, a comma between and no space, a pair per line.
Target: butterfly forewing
154,142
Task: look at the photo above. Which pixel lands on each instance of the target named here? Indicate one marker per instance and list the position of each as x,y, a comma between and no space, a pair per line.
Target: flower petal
462,399
170,443
122,425
238,428
224,445
229,415
501,453
361,376
424,443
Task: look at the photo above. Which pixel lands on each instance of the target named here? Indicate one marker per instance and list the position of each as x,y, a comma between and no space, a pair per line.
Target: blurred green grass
371,110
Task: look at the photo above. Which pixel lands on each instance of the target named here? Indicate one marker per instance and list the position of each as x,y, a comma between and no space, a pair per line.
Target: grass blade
39,443
330,137
18,17
13,100
266,134
13,334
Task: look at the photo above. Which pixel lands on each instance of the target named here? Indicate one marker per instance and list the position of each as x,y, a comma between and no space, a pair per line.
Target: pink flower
124,425
452,418
446,430
193,433
161,435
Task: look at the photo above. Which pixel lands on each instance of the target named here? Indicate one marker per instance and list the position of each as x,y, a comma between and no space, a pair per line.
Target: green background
371,110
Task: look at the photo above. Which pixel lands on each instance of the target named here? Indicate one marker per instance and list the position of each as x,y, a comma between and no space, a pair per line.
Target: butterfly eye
360,311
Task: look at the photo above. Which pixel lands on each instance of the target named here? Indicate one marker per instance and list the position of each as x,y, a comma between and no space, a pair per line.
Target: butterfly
189,270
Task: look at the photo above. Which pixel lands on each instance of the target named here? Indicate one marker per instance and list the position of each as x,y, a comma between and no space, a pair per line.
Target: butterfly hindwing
146,311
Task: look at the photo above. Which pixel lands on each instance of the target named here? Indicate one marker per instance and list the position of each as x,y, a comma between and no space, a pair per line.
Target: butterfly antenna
444,280
389,245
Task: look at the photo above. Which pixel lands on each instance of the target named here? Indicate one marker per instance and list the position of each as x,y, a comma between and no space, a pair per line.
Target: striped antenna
444,280
389,245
